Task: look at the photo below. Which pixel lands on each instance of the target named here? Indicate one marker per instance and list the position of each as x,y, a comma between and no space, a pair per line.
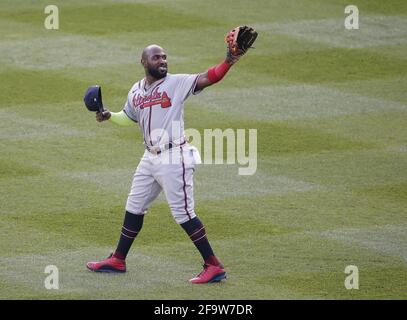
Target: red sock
212,260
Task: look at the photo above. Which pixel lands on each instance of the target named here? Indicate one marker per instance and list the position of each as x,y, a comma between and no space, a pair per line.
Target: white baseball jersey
158,106
159,111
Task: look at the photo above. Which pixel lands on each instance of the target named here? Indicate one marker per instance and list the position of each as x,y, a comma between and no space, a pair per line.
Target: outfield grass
330,109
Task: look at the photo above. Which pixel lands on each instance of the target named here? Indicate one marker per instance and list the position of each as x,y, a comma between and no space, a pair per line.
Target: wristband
216,73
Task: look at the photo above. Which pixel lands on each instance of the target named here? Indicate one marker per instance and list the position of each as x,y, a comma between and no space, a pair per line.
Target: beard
156,73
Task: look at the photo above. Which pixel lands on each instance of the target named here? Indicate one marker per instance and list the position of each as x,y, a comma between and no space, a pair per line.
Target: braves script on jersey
158,106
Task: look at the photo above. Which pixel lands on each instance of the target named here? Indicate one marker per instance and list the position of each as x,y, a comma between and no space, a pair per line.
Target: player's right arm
215,73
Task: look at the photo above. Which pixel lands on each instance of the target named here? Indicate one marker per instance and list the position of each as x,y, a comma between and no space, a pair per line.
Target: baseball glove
93,99
240,39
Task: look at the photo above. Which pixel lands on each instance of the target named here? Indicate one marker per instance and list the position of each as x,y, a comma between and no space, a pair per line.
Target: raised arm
215,73
239,40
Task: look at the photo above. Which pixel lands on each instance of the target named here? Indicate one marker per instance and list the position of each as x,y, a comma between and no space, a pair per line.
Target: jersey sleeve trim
129,116
192,89
194,86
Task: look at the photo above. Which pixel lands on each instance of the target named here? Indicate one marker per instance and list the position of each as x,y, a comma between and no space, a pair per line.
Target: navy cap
93,98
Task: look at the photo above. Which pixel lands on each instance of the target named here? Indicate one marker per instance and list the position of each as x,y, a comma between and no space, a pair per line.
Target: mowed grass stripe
314,210
47,51
28,87
373,31
291,102
18,238
328,285
351,168
122,17
287,10
34,128
48,194
329,65
389,239
391,89
392,135
277,137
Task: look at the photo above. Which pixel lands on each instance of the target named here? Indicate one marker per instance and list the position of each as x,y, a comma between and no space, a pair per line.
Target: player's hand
103,116
232,58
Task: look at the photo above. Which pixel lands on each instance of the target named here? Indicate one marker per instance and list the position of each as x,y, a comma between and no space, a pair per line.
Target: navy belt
166,147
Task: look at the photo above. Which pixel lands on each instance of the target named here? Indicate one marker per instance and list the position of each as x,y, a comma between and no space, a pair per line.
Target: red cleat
210,274
109,265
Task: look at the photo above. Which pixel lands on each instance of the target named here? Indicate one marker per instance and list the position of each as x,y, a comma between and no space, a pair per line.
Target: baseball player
156,105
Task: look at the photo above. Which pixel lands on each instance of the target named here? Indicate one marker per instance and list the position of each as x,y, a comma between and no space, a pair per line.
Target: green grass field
330,109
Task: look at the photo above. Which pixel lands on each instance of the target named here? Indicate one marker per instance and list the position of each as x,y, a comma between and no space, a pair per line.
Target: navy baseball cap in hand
93,98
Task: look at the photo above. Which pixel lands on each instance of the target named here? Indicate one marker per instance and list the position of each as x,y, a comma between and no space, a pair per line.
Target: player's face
157,64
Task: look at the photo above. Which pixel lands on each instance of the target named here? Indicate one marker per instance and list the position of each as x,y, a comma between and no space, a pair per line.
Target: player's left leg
213,269
177,182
